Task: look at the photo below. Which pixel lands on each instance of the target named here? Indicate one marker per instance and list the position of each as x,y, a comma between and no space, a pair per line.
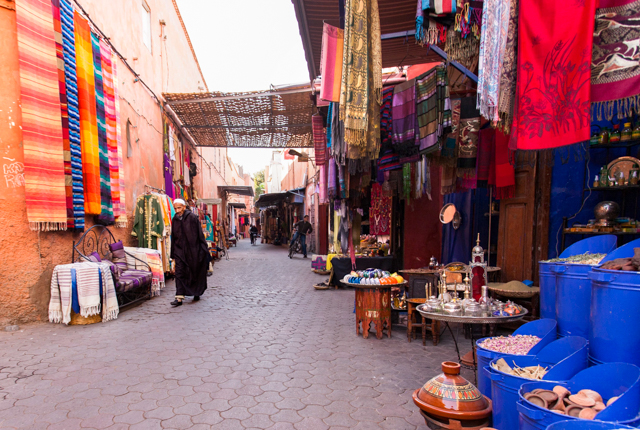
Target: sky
246,46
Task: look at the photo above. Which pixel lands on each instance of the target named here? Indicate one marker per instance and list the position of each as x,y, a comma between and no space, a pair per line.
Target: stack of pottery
449,401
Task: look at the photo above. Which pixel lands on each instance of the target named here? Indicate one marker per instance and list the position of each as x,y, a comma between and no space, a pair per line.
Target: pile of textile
68,98
153,213
136,259
87,288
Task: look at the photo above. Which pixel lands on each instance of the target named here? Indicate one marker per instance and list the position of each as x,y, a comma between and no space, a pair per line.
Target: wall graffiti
13,174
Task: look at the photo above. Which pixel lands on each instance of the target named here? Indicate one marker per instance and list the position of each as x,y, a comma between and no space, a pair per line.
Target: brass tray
622,164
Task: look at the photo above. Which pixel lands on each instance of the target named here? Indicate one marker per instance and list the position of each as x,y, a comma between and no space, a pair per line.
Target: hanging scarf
343,177
505,177
553,92
338,147
69,48
331,62
64,113
486,154
433,108
463,50
406,182
386,122
44,173
331,182
448,179
106,212
328,129
449,151
361,86
121,220
110,114
319,138
495,25
444,6
434,33
322,183
403,112
615,72
468,138
88,116
509,70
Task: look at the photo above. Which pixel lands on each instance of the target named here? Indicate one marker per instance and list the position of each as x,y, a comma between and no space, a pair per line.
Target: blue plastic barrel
597,244
614,329
565,357
586,425
545,329
610,379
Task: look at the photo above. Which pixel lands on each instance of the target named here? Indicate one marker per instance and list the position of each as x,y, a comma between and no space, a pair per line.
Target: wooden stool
433,326
373,305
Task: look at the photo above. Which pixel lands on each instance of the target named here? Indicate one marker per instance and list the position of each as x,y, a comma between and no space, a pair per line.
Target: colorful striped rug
110,115
68,44
88,116
121,220
331,62
66,149
41,124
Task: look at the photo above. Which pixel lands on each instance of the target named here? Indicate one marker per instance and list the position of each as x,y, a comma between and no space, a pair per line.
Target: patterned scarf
403,112
449,151
553,93
434,33
433,108
495,25
69,49
106,212
88,116
406,182
468,138
68,175
361,87
509,70
463,50
615,71
338,147
331,62
386,122
319,138
332,191
44,169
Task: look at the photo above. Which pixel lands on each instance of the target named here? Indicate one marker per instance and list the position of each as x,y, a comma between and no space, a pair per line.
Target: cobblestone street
262,349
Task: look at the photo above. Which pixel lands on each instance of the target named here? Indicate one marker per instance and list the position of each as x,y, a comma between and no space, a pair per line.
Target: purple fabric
118,255
403,112
168,177
130,279
332,190
95,257
115,270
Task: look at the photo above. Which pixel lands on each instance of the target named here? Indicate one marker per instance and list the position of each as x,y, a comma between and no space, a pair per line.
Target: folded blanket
60,302
110,308
88,280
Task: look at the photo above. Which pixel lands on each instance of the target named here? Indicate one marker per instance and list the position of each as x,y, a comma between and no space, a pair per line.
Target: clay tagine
449,401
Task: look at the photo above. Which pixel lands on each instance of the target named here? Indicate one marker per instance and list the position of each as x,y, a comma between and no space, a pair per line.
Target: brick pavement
262,349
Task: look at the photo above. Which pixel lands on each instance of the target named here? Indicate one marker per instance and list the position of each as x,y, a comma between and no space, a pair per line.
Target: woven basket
516,294
321,287
321,272
77,319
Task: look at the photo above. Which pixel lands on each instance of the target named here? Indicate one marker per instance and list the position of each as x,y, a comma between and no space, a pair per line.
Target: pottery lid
450,395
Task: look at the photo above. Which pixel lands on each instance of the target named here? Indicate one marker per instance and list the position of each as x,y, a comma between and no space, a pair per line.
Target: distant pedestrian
302,228
190,252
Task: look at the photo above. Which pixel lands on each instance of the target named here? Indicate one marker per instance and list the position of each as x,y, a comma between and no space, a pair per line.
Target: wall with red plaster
27,258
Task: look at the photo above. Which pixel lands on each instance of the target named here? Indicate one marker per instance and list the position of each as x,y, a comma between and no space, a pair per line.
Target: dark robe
189,250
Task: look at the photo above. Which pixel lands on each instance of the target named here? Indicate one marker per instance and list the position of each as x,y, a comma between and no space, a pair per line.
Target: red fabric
486,142
214,213
504,175
553,94
319,139
288,156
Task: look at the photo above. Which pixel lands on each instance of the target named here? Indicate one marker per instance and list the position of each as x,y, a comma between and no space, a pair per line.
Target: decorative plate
622,164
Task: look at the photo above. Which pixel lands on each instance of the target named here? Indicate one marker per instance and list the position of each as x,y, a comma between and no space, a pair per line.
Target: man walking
189,250
303,227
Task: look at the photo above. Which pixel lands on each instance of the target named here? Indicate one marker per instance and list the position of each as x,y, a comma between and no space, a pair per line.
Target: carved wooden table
373,305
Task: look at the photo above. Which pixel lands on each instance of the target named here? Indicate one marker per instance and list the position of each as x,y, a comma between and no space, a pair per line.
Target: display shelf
595,233
614,188
626,144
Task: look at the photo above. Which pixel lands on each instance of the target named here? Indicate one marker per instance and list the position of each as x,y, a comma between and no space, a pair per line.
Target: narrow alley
262,349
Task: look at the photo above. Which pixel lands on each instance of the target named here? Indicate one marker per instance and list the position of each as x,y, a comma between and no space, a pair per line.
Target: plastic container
586,425
596,244
611,379
545,329
566,357
614,325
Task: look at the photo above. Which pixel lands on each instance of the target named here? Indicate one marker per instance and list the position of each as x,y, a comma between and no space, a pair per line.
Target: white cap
179,201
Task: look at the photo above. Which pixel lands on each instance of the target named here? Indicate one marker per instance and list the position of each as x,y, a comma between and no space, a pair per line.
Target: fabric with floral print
553,93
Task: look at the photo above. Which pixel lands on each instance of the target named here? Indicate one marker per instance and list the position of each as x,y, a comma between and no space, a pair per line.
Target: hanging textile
553,92
121,220
64,113
332,190
509,70
406,182
448,179
615,72
148,224
71,80
428,31
403,112
88,116
106,204
338,146
44,171
328,129
505,177
331,62
361,85
486,154
468,138
322,183
319,138
343,177
444,6
433,108
495,25
463,50
168,177
449,151
386,121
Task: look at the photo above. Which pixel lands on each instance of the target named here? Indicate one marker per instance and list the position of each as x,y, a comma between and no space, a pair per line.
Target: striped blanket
153,258
106,207
121,220
319,139
432,107
88,116
69,48
91,280
403,112
41,123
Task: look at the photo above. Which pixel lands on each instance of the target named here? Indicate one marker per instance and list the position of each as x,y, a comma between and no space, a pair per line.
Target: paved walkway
262,349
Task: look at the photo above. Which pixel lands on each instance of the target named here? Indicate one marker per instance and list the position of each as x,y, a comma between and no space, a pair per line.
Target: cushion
95,257
115,270
118,255
131,279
